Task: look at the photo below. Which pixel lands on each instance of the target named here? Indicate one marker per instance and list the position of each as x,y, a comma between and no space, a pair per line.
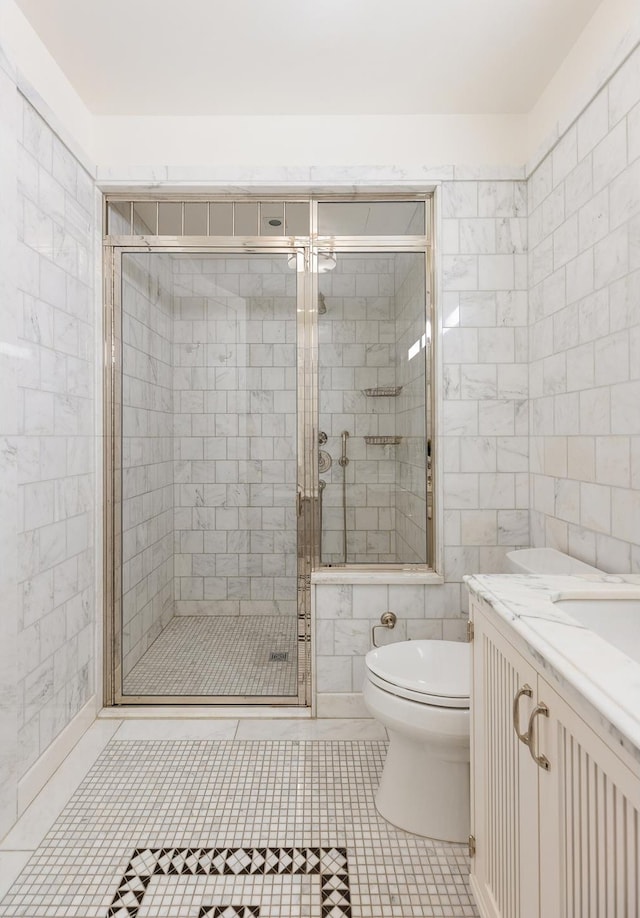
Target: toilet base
424,793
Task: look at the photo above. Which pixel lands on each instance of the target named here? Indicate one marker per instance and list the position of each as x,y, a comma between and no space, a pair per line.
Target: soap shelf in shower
382,441
383,392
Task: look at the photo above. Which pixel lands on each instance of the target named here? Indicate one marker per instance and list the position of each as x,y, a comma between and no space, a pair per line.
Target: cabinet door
504,873
589,819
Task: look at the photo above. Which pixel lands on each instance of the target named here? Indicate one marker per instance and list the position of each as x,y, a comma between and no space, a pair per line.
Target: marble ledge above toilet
407,577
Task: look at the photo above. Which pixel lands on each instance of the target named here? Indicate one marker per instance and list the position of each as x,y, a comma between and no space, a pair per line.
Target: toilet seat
435,673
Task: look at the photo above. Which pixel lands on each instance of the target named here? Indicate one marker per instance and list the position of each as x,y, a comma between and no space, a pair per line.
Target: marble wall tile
10,474
148,500
584,398
55,454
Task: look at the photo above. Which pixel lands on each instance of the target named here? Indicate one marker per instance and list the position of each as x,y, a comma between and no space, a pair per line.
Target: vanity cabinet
555,806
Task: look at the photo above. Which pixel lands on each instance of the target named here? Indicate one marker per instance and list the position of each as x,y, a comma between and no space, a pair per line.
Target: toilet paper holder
387,620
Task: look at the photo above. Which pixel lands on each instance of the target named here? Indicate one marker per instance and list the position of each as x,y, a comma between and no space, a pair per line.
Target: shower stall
268,413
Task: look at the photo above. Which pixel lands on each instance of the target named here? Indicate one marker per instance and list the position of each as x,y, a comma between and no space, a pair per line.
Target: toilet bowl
420,691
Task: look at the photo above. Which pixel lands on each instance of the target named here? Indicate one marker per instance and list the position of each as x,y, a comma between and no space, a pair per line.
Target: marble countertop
597,674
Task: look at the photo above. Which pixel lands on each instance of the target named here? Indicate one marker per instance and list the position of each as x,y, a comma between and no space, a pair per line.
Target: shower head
322,306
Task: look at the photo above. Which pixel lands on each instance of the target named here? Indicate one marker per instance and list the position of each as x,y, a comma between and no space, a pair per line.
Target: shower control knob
322,438
324,461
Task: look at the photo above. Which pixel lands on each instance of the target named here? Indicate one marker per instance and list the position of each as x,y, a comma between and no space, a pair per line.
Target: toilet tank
546,561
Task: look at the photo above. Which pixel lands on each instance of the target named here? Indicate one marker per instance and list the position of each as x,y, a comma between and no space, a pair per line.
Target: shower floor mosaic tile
219,655
274,829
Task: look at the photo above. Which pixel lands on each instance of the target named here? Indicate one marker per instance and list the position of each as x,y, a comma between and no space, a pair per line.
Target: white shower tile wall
55,452
147,452
584,273
357,351
235,396
410,409
485,376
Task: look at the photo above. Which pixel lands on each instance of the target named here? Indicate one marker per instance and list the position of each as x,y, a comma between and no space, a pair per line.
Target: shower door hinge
472,846
299,499
470,630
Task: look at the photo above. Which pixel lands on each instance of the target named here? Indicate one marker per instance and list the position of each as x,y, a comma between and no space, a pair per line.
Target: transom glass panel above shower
268,412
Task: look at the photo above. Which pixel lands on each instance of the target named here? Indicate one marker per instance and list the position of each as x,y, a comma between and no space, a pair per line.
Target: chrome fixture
326,262
322,484
528,691
344,459
539,759
322,438
324,461
387,620
382,441
383,392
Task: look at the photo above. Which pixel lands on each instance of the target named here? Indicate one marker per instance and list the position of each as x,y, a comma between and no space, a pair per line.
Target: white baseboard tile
40,815
30,785
344,704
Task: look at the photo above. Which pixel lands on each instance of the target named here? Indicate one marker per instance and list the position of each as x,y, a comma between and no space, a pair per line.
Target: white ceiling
315,57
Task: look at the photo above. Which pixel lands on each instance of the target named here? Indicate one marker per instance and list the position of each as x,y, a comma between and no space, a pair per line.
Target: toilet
419,690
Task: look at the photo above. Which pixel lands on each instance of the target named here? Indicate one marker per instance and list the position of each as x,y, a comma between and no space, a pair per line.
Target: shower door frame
114,249
308,249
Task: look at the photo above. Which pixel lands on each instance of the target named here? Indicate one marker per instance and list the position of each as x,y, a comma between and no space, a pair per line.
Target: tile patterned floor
277,829
219,655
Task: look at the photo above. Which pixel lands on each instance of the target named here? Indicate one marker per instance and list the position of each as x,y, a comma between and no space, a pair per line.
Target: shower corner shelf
383,392
382,441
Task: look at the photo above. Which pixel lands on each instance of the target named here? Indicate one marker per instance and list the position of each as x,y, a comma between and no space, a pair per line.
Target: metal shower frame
307,250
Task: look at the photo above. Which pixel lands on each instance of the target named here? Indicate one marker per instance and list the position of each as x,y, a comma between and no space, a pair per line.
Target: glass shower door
209,477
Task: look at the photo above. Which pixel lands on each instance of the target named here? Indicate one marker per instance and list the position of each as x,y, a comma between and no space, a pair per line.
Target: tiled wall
485,384
484,439
147,452
584,274
10,326
55,446
357,351
235,385
344,616
411,459
374,305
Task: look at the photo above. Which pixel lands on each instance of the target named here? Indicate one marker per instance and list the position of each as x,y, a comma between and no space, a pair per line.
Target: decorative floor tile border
229,911
330,864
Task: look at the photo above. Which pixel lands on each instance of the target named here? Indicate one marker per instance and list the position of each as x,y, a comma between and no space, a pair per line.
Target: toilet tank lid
547,561
431,667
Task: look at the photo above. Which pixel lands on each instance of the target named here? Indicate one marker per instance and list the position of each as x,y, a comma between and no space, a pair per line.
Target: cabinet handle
540,760
528,691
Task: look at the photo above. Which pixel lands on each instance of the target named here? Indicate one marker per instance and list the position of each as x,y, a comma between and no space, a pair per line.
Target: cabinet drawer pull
528,691
540,760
